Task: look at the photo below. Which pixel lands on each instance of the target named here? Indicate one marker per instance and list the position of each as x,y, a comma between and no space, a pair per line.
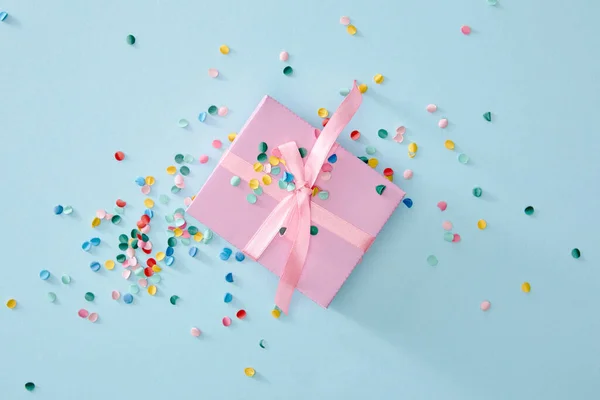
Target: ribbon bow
294,211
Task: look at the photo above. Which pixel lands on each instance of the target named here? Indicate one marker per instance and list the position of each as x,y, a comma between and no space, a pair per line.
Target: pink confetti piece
226,321
401,130
408,174
143,282
465,29
276,152
431,108
145,229
178,179
443,123
126,274
213,72
485,305
185,235
447,225
327,167
125,264
115,295
442,205
345,20
145,189
187,201
108,216
217,144
133,261
83,313
284,56
203,159
223,111
456,238
267,168
398,138
130,252
195,332
100,214
93,317
325,176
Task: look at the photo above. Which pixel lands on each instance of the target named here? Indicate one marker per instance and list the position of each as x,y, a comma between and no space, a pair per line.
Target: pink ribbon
294,211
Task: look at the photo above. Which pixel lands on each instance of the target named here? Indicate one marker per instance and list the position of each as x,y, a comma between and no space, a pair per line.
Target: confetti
449,144
202,116
447,225
95,266
152,290
448,236
226,321
345,21
193,251
370,150
11,303
344,91
477,192
465,29
407,202
575,253
224,49
332,158
128,298
58,210
130,40
213,72
183,123
115,295
262,344
229,277
443,123
89,296
3,15
65,279
29,386
241,314
231,137
351,29
93,317
288,71
432,260
228,297
482,224
284,56
529,210
412,150
463,158
44,275
488,116
442,205
68,210
195,332
203,159
382,133
276,313
83,313
119,156
322,112
456,238
408,174
239,256
213,110
217,144
51,297
363,88
323,195
431,108
485,305
379,189
173,299
526,287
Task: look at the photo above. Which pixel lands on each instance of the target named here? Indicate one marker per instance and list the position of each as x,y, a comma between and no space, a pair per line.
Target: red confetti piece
325,121
148,271
119,156
241,314
388,172
151,262
354,135
121,203
442,205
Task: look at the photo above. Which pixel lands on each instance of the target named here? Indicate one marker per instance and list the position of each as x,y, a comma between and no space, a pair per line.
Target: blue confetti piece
227,250
44,275
228,297
240,256
169,251
202,116
193,251
288,177
95,266
3,15
224,256
229,277
58,210
332,158
408,202
86,246
169,260
95,241
128,298
149,213
140,180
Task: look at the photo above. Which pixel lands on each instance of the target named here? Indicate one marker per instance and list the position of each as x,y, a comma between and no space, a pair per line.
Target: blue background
73,92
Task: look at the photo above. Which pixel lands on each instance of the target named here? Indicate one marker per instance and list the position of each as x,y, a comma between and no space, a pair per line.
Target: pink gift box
353,204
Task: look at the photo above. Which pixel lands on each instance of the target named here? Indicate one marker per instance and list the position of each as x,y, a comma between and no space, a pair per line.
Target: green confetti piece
115,219
123,246
382,133
575,253
135,289
179,158
262,147
119,210
314,230
282,230
371,150
51,297
192,230
154,279
258,191
183,123
89,296
172,242
121,258
323,195
432,260
164,199
65,279
379,189
251,198
344,91
235,180
134,244
448,236
123,238
134,233
477,192
213,110
130,40
303,152
68,210
30,386
288,71
488,116
463,158
282,184
275,170
184,170
262,157
188,158
175,189
363,159
529,210
174,299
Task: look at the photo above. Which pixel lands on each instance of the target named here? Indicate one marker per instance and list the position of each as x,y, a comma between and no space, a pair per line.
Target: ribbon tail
298,253
270,227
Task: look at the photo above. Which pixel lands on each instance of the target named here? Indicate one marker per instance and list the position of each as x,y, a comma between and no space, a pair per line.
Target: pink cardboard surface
352,197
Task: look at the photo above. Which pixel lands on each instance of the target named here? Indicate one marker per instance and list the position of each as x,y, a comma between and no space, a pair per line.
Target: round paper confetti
83,313
30,386
456,238
284,56
217,144
382,133
11,303
68,210
213,72
93,317
119,156
241,314
408,174
95,266
203,159
465,29
44,275
224,49
351,29
378,78
529,210
482,224
51,297
477,192
173,299
195,332
344,91
322,112
127,298
58,210
228,297
262,344
202,116
443,123
249,372
463,158
223,111
115,295
442,205
345,21
314,230
485,305
213,110
447,225
575,253
431,108
370,150
231,137
89,296
183,123
226,321
130,40
65,279
152,290
449,144
526,287
432,260
276,313
363,88
287,71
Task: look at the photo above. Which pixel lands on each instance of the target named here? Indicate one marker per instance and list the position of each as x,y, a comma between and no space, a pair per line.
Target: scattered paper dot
115,295
432,260
262,344
363,88
378,79
288,71
447,225
487,116
449,144
203,159
575,253
456,238
431,108
241,314
223,111
119,156
465,29
443,123
442,205
44,275
529,210
526,287
463,158
213,72
11,303
3,15
224,49
351,29
93,317
345,20
482,224
83,313
195,332
485,305
408,174
477,191
284,56
226,321
51,297
29,386
276,313
322,112
249,372
130,40
354,135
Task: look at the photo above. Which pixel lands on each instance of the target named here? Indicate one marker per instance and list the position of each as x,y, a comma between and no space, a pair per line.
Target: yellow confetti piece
378,79
95,222
149,203
198,237
315,191
12,303
267,179
482,224
224,49
171,170
351,29
449,144
258,167
363,87
249,372
412,147
526,287
231,137
390,178
373,162
109,265
276,313
150,180
151,290
160,256
253,184
322,112
274,160
178,232
156,268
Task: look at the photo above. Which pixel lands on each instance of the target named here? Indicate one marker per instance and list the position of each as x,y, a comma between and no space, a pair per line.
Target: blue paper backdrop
73,92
